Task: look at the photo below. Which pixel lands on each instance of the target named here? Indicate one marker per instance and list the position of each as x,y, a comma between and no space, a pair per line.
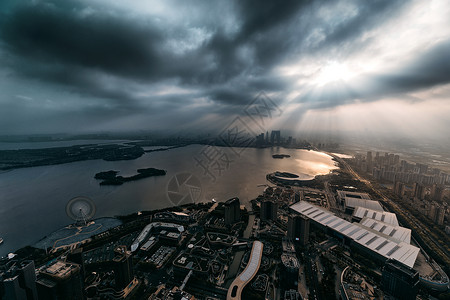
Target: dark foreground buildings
399,280
60,280
298,228
232,211
123,267
19,282
269,210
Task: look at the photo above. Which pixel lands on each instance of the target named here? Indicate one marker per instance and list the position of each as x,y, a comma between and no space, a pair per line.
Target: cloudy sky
379,66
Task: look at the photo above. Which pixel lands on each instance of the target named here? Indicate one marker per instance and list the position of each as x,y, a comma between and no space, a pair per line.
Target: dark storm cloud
61,33
260,16
102,53
427,70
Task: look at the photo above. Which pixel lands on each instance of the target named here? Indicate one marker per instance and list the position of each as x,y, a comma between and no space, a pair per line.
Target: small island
110,177
281,156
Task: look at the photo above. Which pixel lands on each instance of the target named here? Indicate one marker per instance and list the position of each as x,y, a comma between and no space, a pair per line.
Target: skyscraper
437,192
19,282
269,210
60,280
419,191
298,228
260,139
399,280
232,211
399,188
275,137
369,161
123,266
76,256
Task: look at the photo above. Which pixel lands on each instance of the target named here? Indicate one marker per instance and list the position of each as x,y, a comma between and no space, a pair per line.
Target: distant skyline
380,68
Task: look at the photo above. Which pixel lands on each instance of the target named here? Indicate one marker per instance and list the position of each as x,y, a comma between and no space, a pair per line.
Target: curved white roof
253,264
386,217
401,234
380,243
238,284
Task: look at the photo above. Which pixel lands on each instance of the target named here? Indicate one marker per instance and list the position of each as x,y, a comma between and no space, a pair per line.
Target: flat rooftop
61,269
343,194
365,203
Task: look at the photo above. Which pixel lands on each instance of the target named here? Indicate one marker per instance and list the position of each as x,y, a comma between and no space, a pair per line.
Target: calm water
32,200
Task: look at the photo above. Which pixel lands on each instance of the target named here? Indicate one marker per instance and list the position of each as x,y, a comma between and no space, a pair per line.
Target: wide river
33,200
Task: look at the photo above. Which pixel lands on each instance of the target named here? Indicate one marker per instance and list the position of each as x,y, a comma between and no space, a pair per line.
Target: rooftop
365,203
381,244
386,217
60,269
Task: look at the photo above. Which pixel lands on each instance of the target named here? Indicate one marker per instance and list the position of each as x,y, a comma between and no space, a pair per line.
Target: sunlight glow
332,72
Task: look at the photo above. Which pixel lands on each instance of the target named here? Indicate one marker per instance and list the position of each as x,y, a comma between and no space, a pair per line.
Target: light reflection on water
32,200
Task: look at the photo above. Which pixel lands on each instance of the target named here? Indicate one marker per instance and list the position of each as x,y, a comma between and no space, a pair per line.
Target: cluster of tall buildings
389,167
276,139
419,183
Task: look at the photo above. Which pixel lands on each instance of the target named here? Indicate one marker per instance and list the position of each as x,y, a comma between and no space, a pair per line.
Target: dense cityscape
377,227
224,150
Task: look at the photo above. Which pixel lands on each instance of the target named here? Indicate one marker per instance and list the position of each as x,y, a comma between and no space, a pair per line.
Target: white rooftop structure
344,194
401,234
253,264
144,233
357,202
382,244
386,217
238,284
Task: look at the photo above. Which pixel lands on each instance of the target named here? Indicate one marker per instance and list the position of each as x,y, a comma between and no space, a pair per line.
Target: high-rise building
298,228
440,215
123,266
399,188
289,271
437,192
60,280
19,282
260,139
76,256
275,137
432,211
269,210
232,211
369,162
399,280
419,191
